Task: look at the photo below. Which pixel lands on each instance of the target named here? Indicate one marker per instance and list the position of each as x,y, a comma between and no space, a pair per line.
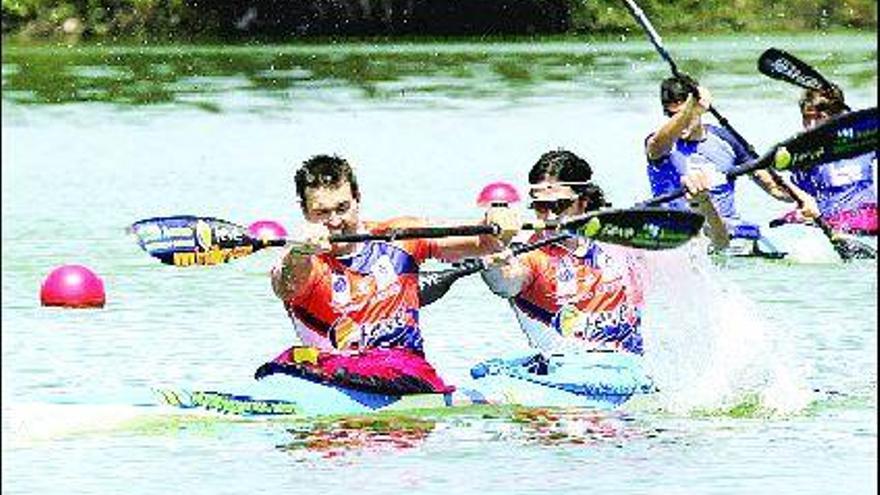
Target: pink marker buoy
267,229
497,194
72,286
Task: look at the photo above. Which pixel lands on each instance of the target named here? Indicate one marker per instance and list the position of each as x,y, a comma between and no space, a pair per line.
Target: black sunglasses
557,206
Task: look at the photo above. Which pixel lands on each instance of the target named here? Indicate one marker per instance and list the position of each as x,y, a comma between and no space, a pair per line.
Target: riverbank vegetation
229,20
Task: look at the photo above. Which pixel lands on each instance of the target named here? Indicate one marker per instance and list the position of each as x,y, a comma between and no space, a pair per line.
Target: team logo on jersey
566,278
383,272
387,282
570,321
341,290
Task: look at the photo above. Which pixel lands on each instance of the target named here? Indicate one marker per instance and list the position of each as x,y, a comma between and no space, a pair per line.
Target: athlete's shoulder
536,257
721,133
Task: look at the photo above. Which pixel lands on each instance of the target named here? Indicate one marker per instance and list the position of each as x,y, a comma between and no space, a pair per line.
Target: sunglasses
557,206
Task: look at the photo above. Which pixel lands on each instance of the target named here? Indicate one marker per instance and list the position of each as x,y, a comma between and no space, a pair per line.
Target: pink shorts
394,371
862,220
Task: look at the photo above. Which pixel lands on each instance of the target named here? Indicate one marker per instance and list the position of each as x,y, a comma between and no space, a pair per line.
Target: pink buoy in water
497,194
267,229
72,286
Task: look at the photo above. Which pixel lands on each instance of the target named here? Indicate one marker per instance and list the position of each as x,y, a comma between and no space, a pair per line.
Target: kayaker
845,190
355,307
684,143
578,294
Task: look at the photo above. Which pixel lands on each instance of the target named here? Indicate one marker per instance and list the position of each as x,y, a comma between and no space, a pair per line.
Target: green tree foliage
284,19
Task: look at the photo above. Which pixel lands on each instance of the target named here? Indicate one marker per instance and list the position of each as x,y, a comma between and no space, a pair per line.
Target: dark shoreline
260,21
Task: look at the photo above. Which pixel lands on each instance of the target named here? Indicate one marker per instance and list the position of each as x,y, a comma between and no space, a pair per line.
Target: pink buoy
72,286
498,194
267,229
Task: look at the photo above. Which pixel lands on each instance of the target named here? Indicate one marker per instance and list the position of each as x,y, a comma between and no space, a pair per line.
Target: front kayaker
683,143
355,306
578,294
845,189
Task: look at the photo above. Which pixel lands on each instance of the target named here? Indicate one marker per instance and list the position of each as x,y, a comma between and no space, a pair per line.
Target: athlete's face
551,200
690,129
334,207
814,114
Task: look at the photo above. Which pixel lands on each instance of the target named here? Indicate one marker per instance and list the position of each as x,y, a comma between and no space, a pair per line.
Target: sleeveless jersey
571,303
365,300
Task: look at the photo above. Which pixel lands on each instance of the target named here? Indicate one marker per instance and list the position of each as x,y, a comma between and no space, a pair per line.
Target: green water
97,137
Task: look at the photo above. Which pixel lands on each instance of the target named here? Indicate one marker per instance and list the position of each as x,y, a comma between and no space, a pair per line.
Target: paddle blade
848,135
187,240
784,66
643,228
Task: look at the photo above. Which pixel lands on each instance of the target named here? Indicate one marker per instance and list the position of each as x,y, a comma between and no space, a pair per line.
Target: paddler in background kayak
355,306
578,294
683,143
845,190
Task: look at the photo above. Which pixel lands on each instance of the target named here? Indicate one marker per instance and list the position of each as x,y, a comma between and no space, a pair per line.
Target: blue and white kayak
600,380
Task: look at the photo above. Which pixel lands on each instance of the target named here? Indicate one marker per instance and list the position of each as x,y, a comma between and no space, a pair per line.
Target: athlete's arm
766,181
290,274
506,275
660,143
508,222
697,185
297,263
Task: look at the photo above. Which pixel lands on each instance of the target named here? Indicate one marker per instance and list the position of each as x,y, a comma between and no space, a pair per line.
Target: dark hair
324,171
829,99
595,197
565,166
676,89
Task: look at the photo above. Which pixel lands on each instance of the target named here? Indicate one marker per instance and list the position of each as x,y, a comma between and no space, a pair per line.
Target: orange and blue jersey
574,302
365,300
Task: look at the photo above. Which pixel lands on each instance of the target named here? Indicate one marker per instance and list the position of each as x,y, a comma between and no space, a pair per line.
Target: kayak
751,248
600,380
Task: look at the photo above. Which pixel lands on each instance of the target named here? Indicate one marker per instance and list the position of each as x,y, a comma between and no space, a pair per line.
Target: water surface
97,137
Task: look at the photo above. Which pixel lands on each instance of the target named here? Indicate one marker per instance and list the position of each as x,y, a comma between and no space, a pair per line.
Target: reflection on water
333,438
541,426
192,75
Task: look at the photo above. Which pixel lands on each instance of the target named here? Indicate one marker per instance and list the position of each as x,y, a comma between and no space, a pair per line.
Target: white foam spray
707,345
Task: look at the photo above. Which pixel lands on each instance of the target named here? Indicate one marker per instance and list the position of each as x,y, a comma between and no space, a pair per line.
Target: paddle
190,240
655,39
847,135
434,285
784,66
855,248
185,240
642,19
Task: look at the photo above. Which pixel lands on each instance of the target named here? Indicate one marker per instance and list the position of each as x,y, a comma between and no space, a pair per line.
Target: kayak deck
601,380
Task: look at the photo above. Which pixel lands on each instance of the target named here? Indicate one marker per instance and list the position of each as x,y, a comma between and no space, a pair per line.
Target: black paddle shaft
435,284
418,233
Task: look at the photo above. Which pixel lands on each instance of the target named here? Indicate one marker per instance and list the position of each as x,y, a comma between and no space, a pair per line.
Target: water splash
709,347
